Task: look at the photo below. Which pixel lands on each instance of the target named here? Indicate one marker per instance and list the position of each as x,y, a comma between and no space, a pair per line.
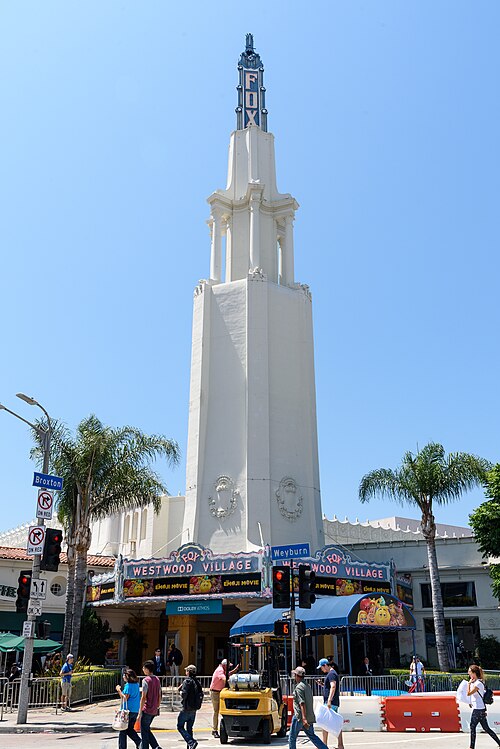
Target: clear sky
114,129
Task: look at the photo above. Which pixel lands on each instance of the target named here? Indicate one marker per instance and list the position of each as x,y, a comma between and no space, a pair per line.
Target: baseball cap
70,655
191,669
322,662
299,671
224,662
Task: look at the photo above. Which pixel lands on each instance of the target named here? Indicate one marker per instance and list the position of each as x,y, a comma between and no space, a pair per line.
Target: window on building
144,524
454,594
462,637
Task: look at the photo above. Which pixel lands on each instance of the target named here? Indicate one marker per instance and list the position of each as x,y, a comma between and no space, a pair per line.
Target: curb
56,728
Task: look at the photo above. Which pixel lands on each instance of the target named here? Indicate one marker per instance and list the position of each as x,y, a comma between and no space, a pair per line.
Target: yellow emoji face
205,586
348,588
382,616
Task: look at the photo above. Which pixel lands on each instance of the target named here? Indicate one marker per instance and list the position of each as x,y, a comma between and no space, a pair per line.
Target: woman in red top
150,705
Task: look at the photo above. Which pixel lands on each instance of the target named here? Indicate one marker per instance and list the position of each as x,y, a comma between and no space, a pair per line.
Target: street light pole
44,435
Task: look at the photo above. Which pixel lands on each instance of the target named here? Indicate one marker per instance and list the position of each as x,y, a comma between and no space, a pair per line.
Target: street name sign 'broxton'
293,551
45,481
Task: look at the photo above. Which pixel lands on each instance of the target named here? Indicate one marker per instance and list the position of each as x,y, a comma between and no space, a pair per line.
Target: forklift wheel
266,731
284,717
223,733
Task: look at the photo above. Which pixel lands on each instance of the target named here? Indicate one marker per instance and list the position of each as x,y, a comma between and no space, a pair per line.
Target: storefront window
454,594
462,637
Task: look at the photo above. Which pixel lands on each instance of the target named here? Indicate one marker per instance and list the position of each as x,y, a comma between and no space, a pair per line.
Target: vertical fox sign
251,92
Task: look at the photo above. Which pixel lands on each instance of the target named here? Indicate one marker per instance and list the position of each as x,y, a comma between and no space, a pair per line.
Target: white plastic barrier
359,713
492,713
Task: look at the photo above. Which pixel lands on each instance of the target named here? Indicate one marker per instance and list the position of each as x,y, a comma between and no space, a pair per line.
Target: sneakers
215,734
193,745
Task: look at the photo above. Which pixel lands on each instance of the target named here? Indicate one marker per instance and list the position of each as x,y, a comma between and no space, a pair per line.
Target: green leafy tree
94,637
489,652
105,471
485,522
423,480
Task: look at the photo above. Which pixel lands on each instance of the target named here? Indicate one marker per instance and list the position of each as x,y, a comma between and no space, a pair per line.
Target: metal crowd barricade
370,685
4,686
170,690
103,683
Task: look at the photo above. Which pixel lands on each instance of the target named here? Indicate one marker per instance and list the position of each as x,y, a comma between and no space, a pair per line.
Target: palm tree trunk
429,532
83,538
80,588
70,596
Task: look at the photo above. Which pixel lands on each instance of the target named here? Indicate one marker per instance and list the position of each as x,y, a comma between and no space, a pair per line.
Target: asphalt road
170,739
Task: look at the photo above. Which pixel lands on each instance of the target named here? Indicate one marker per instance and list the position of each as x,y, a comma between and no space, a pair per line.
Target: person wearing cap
192,697
218,683
331,692
303,713
66,674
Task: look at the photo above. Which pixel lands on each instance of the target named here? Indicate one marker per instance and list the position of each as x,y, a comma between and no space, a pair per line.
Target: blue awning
334,612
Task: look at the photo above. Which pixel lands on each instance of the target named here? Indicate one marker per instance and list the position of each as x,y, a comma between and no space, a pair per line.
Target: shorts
335,708
65,688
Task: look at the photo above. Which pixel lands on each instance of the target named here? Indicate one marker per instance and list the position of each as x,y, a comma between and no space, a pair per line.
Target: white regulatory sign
44,504
36,539
34,608
39,589
28,629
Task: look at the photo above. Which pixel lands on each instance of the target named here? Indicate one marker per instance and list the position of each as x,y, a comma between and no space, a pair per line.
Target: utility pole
45,436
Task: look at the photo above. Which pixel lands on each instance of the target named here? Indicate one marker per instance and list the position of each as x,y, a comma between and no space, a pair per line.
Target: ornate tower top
251,109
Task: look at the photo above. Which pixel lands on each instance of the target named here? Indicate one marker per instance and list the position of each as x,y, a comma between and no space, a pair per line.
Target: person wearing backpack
192,698
480,695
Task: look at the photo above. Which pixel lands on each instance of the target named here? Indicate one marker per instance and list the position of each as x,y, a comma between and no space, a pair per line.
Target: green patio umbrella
9,642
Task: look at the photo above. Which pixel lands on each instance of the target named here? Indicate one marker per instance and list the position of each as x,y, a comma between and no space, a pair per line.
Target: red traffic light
24,580
279,575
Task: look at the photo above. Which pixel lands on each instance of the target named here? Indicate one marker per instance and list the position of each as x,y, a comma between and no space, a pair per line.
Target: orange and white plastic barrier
492,713
359,713
429,712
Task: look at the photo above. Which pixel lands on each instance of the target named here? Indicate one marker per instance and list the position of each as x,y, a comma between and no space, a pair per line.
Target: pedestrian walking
192,697
218,683
303,713
149,707
475,690
66,674
131,697
331,692
417,673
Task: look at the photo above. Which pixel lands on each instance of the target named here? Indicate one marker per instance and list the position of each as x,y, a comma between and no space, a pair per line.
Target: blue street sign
292,551
44,481
195,607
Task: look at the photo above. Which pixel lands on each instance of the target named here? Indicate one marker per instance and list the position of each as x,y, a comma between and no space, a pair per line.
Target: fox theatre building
193,598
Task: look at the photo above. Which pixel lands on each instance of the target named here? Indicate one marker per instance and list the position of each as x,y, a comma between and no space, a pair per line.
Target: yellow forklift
252,704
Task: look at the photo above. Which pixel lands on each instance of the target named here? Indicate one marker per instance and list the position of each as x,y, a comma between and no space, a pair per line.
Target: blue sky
115,125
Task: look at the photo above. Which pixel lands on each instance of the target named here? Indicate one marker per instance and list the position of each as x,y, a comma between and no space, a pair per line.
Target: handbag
120,722
329,720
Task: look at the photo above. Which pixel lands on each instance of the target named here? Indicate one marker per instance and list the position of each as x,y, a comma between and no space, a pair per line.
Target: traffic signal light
307,586
23,591
44,630
51,550
281,587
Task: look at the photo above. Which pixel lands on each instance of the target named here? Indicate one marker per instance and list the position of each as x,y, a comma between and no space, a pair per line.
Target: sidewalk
96,718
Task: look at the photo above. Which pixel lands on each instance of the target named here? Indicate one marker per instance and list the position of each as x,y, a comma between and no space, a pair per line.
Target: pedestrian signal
281,587
282,628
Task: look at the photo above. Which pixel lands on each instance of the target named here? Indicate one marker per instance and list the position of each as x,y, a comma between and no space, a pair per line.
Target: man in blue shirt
331,693
66,673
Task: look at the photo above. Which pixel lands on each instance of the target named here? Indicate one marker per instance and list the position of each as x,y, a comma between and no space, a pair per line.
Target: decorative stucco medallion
289,499
226,496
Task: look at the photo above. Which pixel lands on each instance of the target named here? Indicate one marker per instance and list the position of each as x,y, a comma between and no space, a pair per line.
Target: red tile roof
10,552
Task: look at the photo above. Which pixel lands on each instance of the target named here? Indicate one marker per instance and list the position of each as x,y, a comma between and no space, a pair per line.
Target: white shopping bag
328,720
462,692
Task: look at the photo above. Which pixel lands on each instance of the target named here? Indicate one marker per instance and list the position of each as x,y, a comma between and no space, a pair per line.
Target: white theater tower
252,461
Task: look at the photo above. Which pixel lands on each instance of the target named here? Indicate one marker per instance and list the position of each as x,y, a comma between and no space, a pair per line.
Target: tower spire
251,109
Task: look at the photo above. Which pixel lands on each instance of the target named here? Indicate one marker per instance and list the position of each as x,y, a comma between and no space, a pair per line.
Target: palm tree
105,471
422,480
